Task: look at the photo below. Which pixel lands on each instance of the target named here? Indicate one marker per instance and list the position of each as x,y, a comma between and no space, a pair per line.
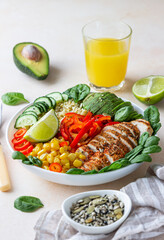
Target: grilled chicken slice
113,143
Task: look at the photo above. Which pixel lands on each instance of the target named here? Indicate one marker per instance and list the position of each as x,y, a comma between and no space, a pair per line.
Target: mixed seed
97,211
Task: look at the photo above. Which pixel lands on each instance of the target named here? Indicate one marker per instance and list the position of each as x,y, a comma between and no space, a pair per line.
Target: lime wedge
149,90
44,129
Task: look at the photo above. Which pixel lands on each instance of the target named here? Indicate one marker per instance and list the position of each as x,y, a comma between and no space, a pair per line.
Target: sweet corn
82,156
50,158
64,155
56,160
41,152
33,153
55,145
43,157
47,147
46,167
67,165
37,149
77,163
77,154
64,161
61,150
72,156
65,148
45,163
54,153
40,145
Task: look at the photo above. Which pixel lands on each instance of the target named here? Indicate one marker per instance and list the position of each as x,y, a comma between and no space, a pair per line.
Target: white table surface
56,25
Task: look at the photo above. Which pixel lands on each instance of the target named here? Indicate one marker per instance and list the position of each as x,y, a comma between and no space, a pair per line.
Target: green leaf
27,203
123,113
134,152
151,114
104,169
19,155
35,161
143,138
78,92
74,171
152,149
153,140
13,98
141,158
90,172
156,127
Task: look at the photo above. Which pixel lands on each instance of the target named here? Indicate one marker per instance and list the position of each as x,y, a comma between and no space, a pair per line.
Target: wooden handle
5,184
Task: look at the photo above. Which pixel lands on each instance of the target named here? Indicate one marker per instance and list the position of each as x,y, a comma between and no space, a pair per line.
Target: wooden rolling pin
5,184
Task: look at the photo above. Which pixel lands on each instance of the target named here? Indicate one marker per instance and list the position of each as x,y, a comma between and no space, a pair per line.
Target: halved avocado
38,68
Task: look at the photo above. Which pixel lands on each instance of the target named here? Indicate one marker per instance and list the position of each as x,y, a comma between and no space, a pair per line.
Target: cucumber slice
57,96
44,99
65,96
30,112
53,102
25,120
42,105
33,108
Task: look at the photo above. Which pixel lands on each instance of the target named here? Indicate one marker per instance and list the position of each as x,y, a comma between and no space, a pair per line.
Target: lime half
44,129
149,90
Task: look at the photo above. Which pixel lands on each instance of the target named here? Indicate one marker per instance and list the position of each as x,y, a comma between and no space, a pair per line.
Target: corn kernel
45,163
72,156
55,145
54,153
67,165
37,149
64,161
40,145
61,150
77,163
33,153
82,156
65,148
56,160
41,152
46,167
77,154
50,158
43,157
64,155
47,147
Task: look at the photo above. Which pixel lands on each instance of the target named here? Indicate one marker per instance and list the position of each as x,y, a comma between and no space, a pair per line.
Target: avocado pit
32,53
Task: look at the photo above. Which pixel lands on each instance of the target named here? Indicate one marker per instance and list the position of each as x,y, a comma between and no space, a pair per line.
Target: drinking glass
107,47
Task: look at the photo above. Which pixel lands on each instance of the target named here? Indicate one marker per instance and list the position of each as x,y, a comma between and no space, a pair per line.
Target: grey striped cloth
145,221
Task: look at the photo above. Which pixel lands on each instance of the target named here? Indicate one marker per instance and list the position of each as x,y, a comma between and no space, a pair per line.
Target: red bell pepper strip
27,150
18,141
62,144
22,146
20,133
82,132
87,117
55,167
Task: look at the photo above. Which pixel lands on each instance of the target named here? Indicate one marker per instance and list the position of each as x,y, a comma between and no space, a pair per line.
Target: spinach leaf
104,169
27,203
152,115
35,161
123,113
13,98
153,140
134,152
78,92
152,149
143,138
123,162
89,172
141,158
75,171
19,155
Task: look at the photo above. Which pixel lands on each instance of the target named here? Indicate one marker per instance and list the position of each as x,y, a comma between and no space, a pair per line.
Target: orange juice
106,61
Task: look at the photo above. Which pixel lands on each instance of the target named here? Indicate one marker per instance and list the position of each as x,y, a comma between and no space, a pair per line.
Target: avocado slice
38,68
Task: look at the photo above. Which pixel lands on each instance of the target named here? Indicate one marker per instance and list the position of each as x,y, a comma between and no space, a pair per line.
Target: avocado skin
25,69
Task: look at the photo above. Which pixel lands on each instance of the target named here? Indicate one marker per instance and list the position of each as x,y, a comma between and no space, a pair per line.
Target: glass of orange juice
106,53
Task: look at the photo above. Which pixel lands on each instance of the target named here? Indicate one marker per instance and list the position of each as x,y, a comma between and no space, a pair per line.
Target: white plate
72,180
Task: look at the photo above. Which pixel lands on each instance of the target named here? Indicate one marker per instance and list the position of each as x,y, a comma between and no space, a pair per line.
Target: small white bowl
67,204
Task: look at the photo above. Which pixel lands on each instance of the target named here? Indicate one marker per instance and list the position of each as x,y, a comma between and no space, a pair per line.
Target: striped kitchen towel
146,220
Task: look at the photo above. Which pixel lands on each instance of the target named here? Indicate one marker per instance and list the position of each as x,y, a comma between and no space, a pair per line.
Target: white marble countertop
56,25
